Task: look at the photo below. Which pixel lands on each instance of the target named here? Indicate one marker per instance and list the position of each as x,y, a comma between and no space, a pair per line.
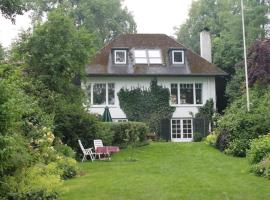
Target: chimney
205,44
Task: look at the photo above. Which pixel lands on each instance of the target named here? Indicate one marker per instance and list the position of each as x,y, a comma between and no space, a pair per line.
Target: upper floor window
177,57
147,56
186,93
120,56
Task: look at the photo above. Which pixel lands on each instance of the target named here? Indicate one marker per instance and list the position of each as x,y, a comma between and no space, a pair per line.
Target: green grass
181,171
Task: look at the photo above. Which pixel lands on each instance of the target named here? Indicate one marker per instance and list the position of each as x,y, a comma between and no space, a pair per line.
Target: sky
151,16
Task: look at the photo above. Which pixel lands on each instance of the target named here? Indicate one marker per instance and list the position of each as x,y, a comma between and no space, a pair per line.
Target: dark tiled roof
194,64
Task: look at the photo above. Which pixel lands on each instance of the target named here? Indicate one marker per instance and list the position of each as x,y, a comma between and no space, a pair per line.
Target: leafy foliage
262,168
57,53
259,149
11,8
72,124
240,126
223,18
2,53
259,62
149,106
102,18
236,86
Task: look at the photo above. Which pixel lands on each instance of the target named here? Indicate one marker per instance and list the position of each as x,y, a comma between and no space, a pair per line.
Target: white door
181,130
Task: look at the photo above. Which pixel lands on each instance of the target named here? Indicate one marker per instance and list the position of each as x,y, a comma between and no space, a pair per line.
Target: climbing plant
147,105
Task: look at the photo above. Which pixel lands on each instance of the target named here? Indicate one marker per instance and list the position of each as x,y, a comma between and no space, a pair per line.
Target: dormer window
147,56
177,57
120,56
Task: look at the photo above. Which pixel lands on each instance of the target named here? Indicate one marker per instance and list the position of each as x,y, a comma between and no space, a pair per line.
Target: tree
2,52
56,54
259,62
11,8
223,18
105,19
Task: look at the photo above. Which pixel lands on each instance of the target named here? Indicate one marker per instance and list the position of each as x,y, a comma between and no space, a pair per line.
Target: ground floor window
101,93
181,129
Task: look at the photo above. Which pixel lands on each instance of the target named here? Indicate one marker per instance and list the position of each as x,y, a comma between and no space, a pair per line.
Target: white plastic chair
99,143
87,152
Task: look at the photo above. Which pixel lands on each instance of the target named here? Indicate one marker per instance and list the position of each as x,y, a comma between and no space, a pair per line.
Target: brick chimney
205,44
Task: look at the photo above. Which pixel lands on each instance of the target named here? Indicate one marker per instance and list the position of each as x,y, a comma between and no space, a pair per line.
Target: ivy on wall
147,105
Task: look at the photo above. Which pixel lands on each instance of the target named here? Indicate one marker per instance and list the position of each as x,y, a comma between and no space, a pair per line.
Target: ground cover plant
168,171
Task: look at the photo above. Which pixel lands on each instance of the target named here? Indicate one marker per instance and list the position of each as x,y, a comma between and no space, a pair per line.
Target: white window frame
182,139
107,95
178,51
179,94
118,51
147,57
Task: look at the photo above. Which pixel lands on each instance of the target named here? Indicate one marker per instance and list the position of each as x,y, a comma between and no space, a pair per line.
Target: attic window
147,56
178,57
120,56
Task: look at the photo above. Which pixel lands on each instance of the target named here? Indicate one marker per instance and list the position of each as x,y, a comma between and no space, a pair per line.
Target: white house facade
134,60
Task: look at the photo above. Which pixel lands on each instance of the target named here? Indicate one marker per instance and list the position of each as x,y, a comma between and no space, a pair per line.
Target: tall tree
56,54
106,19
11,8
223,18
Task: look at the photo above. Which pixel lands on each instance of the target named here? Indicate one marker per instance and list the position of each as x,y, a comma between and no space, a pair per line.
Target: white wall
209,91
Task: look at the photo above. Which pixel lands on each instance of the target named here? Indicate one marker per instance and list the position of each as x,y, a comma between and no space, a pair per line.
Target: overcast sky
151,16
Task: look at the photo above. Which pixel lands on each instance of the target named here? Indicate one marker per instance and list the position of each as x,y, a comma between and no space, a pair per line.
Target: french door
181,130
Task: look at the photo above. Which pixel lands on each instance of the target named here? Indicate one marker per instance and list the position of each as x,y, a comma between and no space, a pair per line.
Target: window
186,94
120,56
88,93
103,94
111,97
152,56
178,57
99,94
174,93
198,92
181,129
140,56
176,128
187,128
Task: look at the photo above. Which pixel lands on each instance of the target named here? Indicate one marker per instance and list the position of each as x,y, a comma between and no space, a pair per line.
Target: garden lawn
181,171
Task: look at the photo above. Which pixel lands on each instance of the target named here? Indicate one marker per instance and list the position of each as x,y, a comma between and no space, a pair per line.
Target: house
133,60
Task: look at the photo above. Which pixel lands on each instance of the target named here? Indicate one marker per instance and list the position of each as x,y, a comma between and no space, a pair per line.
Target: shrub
197,137
72,124
259,148
68,167
37,182
14,154
222,142
126,133
241,126
211,139
105,133
65,150
238,147
262,168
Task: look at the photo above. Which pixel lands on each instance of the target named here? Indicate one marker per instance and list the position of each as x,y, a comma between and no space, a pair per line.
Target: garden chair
87,152
99,143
